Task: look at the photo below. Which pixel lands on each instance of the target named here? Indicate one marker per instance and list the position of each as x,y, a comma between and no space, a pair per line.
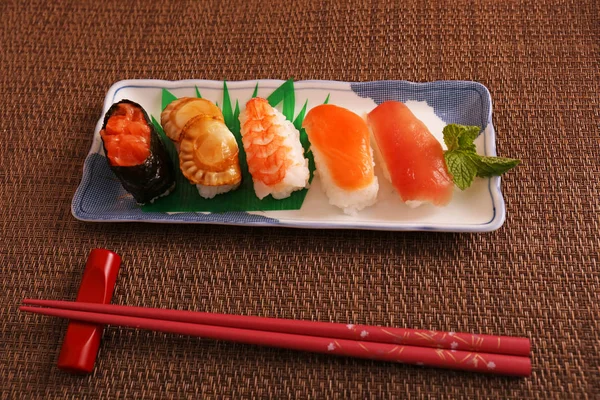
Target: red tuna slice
413,156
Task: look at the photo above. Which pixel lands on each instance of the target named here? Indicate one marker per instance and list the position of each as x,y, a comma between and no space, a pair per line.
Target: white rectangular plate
480,208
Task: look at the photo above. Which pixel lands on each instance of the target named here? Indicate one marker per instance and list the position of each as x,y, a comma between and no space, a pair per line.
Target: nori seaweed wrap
144,169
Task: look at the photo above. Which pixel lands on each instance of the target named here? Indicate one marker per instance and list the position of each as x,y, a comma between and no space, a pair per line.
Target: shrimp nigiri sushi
274,153
135,152
208,151
340,142
413,159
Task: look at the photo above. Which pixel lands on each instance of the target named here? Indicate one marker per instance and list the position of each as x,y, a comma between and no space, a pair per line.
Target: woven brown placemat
538,276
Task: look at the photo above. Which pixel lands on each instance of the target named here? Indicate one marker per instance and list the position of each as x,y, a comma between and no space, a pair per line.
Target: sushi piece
208,151
340,142
413,159
274,153
135,152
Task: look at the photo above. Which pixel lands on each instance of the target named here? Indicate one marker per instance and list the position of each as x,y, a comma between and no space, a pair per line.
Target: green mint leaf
451,134
463,161
467,138
460,137
493,166
461,167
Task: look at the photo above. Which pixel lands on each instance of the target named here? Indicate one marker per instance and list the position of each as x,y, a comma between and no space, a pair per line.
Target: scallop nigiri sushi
340,143
274,153
208,151
413,159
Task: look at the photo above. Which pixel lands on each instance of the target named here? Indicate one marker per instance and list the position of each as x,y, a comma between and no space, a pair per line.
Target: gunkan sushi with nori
136,153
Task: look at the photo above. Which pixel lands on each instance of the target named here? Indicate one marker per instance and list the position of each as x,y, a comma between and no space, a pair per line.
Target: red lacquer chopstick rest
82,340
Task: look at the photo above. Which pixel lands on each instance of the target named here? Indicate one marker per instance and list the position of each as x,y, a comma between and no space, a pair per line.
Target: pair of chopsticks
502,355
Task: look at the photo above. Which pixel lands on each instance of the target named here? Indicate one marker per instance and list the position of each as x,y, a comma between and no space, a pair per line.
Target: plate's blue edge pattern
94,197
446,97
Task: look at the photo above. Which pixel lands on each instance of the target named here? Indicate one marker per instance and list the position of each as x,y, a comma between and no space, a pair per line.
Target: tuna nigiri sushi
274,153
413,159
340,143
135,152
208,151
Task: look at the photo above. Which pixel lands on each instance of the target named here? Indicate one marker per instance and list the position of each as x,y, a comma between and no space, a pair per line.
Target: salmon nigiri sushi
413,159
340,143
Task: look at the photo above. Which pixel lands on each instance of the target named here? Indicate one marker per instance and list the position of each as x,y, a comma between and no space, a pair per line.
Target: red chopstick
506,345
442,358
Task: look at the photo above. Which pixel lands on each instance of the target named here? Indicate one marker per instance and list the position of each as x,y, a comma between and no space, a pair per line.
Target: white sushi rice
208,192
296,175
350,201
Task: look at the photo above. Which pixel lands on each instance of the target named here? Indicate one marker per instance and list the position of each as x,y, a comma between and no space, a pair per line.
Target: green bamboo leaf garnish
236,116
463,162
227,110
300,118
167,98
278,94
327,99
289,101
255,93
198,95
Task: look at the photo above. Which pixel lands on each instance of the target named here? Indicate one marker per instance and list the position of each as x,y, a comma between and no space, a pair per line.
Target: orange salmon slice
126,137
342,139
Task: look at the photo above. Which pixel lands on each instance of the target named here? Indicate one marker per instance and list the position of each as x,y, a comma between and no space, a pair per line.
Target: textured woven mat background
538,276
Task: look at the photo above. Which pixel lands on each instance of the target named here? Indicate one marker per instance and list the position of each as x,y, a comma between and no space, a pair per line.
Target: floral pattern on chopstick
425,356
448,340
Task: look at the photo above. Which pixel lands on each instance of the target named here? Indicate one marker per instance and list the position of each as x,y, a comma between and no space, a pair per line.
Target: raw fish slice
126,150
413,157
343,156
342,138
